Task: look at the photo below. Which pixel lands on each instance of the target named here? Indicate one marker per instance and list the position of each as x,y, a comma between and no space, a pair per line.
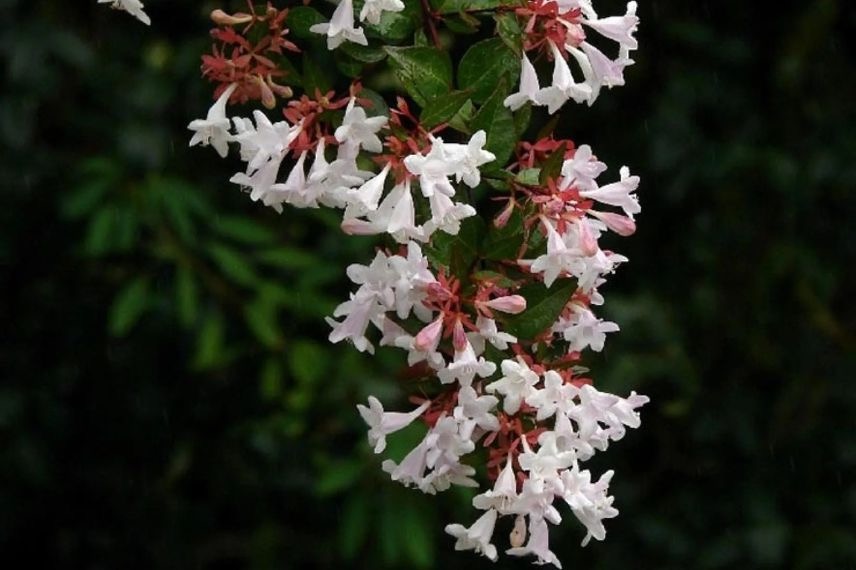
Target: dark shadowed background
168,396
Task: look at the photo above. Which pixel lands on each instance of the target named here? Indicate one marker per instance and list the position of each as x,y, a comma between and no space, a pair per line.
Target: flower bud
221,18
588,244
622,225
428,338
459,337
511,304
502,218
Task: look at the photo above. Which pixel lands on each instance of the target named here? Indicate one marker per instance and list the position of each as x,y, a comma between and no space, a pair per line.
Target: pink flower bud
587,242
622,225
502,218
511,304
459,337
428,338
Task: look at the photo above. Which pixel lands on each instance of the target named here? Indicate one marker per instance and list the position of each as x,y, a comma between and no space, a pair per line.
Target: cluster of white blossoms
133,7
340,183
597,69
341,27
524,400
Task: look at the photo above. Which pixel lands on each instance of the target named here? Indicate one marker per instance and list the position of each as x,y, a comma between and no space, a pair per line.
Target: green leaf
300,19
354,524
307,362
460,122
529,176
261,317
349,66
337,477
508,29
521,119
244,230
396,27
287,258
99,232
424,72
484,65
128,306
441,109
454,6
378,107
233,264
462,23
552,167
186,297
210,344
459,252
505,242
270,379
364,54
418,537
497,121
543,306
316,75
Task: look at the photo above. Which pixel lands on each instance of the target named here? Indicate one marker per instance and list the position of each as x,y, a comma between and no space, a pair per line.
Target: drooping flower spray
496,306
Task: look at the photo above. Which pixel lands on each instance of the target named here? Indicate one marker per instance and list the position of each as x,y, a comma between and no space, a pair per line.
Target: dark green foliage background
168,397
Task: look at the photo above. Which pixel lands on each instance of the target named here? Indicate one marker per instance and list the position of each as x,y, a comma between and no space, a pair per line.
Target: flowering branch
495,310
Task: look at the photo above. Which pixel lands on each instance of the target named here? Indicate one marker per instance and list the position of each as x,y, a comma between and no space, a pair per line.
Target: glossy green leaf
484,65
301,18
552,167
508,30
441,109
186,297
424,72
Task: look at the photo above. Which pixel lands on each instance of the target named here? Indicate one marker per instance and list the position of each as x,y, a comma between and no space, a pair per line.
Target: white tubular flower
477,537
341,27
472,157
445,474
466,366
618,28
214,128
374,9
360,129
446,215
489,332
589,501
411,470
546,463
564,87
260,183
538,545
620,194
517,383
475,411
365,198
584,330
503,496
133,7
581,170
528,86
556,396
559,258
445,443
383,423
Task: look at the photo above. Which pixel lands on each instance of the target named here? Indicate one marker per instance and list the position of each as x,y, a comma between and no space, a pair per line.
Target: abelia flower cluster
496,320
